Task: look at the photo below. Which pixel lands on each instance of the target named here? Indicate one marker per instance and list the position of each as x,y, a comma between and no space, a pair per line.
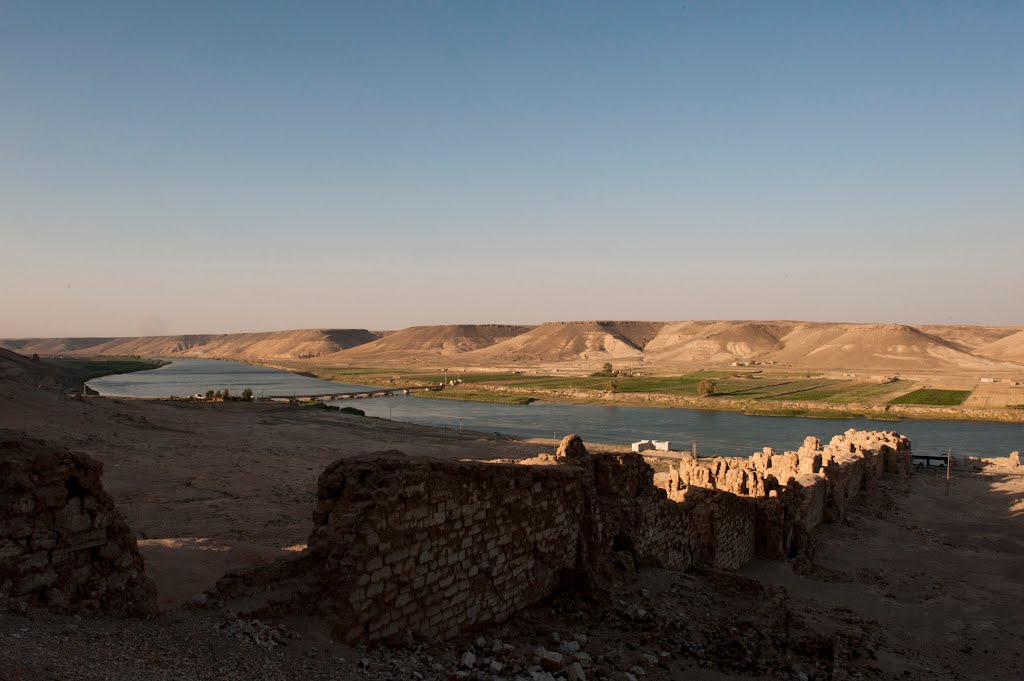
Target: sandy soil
939,576
240,474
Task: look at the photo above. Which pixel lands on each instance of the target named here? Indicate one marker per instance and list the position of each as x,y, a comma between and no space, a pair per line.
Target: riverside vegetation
756,392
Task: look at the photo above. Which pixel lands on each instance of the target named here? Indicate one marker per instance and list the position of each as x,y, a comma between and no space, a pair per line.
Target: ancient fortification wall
794,492
63,545
436,546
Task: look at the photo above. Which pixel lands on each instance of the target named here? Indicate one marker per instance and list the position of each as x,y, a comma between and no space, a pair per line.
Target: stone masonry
63,545
434,547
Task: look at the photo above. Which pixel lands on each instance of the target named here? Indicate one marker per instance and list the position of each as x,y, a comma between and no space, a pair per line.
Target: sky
196,167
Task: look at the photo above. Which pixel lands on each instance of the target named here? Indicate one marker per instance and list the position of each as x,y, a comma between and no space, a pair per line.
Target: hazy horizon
197,168
500,323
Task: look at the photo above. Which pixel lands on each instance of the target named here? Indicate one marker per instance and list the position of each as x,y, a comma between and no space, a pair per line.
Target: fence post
949,467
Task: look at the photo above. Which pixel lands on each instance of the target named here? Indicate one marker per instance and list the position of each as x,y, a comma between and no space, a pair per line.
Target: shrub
247,395
706,387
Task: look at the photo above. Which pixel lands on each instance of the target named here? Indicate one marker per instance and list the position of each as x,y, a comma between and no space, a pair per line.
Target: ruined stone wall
432,546
796,491
63,545
437,546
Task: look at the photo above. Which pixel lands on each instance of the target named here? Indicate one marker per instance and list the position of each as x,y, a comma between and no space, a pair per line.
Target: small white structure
988,380
657,445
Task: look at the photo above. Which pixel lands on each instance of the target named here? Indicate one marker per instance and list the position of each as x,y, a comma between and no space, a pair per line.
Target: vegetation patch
88,369
821,414
317,404
477,396
933,397
352,410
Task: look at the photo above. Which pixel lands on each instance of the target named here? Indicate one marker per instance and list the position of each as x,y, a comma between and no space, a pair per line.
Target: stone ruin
63,545
792,493
433,547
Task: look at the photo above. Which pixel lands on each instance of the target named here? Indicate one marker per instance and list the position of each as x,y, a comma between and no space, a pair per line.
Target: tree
209,394
247,395
608,368
226,394
706,387
35,357
218,395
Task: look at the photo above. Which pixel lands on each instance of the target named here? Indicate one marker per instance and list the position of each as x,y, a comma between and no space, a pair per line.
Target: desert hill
571,342
301,344
709,342
423,343
21,369
1009,348
584,345
971,338
874,346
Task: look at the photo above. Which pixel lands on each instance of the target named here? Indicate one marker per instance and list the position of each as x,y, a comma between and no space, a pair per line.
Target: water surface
716,432
186,377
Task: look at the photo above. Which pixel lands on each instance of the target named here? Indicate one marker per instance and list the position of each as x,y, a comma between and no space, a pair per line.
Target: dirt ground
914,585
208,487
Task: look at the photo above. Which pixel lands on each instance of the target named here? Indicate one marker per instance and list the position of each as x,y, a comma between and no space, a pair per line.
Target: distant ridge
419,343
1009,348
583,345
301,344
594,342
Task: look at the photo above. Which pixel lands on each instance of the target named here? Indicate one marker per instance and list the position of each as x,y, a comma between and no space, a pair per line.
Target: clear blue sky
206,167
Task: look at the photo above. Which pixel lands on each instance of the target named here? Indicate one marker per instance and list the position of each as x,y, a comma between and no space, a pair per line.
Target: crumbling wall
437,546
796,491
63,545
432,546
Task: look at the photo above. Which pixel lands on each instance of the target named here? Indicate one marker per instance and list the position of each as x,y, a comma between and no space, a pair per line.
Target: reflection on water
725,433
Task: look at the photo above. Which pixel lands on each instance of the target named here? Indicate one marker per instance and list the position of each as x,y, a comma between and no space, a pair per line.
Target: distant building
648,445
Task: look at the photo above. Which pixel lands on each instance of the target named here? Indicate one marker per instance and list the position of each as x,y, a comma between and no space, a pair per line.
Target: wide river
725,433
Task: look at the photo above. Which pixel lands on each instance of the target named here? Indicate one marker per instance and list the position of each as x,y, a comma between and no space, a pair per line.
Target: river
716,432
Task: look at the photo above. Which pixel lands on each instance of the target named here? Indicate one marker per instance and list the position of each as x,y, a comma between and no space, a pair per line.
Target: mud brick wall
432,546
63,545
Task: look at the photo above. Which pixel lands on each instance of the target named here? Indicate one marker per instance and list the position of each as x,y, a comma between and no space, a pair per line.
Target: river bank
895,412
475,390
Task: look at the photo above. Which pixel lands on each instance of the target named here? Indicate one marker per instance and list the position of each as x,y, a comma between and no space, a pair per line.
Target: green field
88,369
476,396
933,397
849,392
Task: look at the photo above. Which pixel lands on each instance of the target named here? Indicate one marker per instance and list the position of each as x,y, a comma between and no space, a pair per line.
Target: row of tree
226,396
